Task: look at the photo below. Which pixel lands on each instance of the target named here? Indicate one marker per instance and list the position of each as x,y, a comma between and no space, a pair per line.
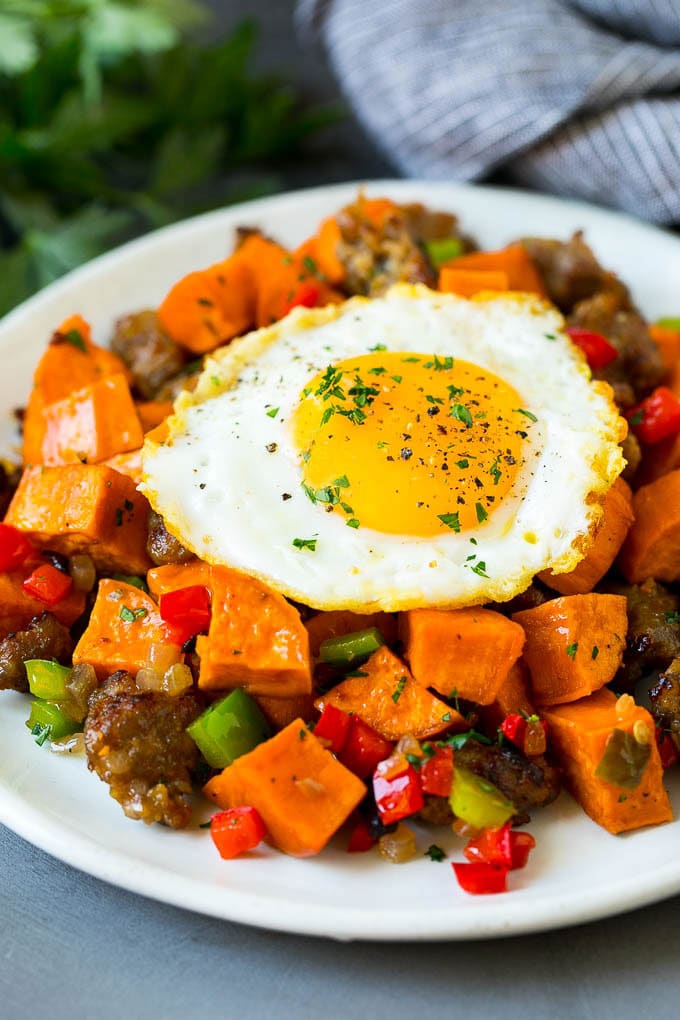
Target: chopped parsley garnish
495,471
480,569
440,364
450,520
435,853
433,400
572,650
397,378
455,391
550,336
595,652
74,337
461,413
527,414
302,734
342,482
378,347
41,733
638,417
272,412
413,358
672,617
399,689
463,463
215,380
310,265
446,717
130,615
381,444
481,513
305,543
353,522
459,740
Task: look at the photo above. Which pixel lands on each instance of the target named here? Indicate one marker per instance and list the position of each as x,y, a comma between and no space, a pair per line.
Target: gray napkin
579,98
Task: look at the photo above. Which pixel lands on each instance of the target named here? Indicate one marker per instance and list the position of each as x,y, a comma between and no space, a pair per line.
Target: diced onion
73,744
177,679
399,846
148,679
163,656
82,570
409,745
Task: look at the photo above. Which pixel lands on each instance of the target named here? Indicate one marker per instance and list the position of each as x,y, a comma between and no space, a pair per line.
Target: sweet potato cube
70,362
338,622
280,712
211,306
124,624
652,548
468,282
390,700
91,424
152,413
574,645
615,525
86,508
173,576
17,607
513,261
256,639
512,699
579,733
299,788
466,652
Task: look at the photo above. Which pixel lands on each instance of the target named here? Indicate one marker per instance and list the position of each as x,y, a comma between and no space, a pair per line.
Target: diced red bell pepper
480,879
360,839
333,726
306,296
656,417
502,847
530,735
363,748
236,831
186,609
597,349
513,728
15,548
668,751
47,584
436,773
397,791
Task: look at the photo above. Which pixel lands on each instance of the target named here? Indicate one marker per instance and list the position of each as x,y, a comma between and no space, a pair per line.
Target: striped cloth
580,98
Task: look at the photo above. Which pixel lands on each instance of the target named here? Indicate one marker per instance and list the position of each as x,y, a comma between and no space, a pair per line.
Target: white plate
577,873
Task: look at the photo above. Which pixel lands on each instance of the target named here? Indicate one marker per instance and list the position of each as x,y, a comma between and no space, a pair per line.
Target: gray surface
71,946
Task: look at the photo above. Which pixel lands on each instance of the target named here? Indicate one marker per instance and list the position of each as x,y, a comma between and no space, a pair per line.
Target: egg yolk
410,444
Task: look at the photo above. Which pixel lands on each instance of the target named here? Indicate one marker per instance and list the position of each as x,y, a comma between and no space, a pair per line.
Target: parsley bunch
116,118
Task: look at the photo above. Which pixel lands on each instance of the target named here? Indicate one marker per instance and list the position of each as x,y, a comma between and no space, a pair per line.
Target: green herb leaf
305,543
435,853
450,520
527,414
572,650
461,413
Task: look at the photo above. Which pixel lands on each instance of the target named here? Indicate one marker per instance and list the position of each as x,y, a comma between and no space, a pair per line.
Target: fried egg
414,450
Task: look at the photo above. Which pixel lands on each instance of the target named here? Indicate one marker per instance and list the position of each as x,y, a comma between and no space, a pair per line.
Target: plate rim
154,881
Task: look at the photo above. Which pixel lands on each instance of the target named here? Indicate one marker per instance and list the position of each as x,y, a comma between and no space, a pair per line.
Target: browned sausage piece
148,352
163,547
44,638
136,742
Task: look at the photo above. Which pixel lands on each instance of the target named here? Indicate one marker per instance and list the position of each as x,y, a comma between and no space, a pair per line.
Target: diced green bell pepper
47,679
443,250
47,722
478,802
669,322
351,649
624,760
229,728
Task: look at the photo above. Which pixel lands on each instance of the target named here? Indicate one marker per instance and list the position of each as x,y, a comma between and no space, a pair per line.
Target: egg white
221,490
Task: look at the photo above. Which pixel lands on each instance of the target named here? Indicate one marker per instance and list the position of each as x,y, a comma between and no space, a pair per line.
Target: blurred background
120,116
117,117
